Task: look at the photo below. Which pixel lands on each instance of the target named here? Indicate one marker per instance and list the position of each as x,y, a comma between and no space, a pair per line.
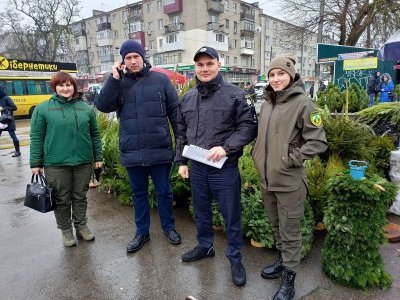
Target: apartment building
172,30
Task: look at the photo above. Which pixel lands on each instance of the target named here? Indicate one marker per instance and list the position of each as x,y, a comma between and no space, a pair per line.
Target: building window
173,57
253,62
176,20
166,2
247,43
244,61
235,27
171,38
220,37
114,18
235,43
226,60
235,60
274,42
159,5
150,26
274,25
151,45
267,39
267,24
115,34
76,41
125,15
234,7
226,4
148,8
160,43
135,27
227,23
103,34
161,24
249,25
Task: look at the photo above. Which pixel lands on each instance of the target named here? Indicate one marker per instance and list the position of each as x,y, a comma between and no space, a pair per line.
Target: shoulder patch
315,118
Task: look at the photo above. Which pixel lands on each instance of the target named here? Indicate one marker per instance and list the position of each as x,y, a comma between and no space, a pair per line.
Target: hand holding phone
118,69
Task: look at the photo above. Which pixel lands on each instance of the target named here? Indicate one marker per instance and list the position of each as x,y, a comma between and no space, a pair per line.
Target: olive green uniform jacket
64,133
286,137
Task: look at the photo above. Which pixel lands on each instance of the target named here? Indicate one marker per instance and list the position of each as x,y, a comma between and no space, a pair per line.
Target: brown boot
84,233
68,238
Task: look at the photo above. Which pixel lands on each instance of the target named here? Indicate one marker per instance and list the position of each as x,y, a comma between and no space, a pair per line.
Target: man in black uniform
215,116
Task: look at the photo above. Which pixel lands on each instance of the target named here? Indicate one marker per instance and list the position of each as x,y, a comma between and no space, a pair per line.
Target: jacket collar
205,89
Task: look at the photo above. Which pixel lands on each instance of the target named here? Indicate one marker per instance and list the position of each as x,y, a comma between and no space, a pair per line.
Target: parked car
259,89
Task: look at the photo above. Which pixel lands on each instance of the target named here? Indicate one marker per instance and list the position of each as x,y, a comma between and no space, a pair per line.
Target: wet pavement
36,265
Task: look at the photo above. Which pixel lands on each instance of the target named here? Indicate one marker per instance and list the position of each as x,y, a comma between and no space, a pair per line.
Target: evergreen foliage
351,250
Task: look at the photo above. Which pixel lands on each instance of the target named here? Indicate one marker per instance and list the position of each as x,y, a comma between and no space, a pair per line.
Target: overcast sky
269,6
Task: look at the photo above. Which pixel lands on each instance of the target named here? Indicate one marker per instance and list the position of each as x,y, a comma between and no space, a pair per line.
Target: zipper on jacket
161,103
266,144
76,119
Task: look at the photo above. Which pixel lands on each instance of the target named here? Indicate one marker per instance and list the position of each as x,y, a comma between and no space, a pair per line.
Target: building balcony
173,27
103,26
135,16
106,58
247,16
215,27
81,45
247,51
247,33
215,7
79,32
173,8
105,42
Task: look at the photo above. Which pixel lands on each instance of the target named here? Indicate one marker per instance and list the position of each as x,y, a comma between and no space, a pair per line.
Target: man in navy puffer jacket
145,101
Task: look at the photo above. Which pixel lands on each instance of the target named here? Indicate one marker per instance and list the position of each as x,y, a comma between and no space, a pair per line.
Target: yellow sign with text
360,63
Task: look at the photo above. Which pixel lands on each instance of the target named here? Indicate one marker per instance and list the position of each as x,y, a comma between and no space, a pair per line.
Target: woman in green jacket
289,132
65,141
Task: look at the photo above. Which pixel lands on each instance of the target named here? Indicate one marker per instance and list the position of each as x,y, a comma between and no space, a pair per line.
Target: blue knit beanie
130,46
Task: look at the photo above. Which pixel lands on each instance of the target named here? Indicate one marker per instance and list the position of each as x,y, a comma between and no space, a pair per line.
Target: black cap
207,50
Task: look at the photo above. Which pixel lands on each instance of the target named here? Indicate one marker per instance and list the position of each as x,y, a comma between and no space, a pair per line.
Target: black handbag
39,196
5,117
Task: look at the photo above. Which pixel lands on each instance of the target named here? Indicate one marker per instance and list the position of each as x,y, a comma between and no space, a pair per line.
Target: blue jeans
223,185
12,135
371,98
139,180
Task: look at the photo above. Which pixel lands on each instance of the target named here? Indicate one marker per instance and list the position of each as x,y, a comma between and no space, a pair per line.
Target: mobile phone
123,71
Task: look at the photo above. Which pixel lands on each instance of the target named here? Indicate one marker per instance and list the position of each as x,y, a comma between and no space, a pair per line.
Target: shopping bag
39,196
5,117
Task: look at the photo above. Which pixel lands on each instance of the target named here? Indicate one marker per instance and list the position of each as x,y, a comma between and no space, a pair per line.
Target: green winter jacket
64,133
289,132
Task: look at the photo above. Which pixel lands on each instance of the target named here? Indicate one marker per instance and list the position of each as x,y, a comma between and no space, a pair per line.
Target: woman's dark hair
62,77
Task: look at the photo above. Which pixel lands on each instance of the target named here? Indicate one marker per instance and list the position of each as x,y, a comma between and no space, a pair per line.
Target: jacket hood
296,88
387,75
205,89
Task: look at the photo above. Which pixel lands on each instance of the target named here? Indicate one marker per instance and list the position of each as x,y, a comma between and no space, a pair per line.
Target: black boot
286,291
17,152
275,270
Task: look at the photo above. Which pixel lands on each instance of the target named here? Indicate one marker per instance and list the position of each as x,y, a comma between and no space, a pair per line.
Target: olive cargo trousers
285,211
71,185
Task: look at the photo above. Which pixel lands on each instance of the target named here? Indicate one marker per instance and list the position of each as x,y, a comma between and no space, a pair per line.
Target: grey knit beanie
285,62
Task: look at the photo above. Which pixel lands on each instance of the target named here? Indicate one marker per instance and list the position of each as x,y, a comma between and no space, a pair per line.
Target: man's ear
219,64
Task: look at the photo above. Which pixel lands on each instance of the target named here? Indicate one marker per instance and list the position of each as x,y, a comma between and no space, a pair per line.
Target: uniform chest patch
316,119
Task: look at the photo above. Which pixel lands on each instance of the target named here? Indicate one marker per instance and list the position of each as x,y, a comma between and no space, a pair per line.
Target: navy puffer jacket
144,135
